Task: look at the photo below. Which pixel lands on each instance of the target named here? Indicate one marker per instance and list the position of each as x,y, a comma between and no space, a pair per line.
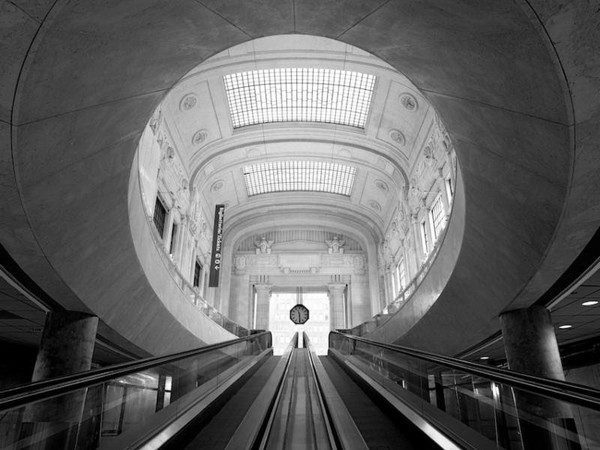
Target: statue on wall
335,245
262,245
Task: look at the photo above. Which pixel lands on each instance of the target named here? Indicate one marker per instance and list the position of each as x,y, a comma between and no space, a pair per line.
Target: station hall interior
416,173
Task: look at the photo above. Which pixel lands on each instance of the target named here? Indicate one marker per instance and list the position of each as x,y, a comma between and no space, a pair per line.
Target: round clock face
299,314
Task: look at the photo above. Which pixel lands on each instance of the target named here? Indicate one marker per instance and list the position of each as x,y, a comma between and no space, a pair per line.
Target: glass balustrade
507,414
111,403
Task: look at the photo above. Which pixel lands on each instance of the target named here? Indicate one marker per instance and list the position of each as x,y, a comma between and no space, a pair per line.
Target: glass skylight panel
299,95
281,176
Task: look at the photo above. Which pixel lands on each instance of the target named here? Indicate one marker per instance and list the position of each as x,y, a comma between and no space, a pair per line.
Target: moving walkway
237,395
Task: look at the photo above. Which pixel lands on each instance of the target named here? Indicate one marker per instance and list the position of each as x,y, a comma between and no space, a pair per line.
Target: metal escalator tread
217,433
378,430
298,422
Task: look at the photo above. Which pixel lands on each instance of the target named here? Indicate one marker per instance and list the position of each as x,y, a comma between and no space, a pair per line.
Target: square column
336,305
263,295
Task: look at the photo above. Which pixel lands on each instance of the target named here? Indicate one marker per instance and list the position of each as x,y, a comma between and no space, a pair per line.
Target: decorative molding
344,153
398,137
409,102
199,137
263,245
253,152
188,102
375,205
217,186
294,238
299,263
382,186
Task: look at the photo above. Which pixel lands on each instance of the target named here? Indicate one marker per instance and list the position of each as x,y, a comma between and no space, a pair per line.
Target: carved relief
335,245
263,245
188,102
375,205
359,264
217,186
398,137
199,137
170,153
156,121
239,264
409,102
382,185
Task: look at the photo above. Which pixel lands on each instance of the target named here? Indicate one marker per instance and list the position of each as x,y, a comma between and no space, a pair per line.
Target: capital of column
263,288
336,287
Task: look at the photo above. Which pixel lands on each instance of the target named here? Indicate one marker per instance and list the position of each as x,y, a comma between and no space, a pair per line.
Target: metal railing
508,409
41,390
191,292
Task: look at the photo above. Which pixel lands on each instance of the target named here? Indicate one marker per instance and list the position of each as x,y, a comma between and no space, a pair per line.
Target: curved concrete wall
430,296
81,80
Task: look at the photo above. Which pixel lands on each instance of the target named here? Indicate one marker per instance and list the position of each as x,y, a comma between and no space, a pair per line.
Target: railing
88,410
511,410
400,300
191,292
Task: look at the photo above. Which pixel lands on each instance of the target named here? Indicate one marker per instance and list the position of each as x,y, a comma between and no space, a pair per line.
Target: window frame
437,216
424,238
160,229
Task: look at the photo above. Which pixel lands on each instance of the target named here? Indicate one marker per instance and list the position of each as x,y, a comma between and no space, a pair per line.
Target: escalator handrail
561,390
262,438
40,390
334,440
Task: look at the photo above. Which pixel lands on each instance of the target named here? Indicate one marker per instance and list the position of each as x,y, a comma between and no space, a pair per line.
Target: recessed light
564,327
590,303
484,357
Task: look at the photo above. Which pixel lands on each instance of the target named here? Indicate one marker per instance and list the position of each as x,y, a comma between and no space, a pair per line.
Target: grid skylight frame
322,95
299,176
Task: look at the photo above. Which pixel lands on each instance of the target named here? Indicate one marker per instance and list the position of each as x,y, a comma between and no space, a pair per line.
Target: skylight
279,176
299,95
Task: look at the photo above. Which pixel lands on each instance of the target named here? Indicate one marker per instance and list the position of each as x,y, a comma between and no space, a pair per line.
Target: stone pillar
167,230
66,347
192,263
263,295
202,284
180,247
336,305
531,347
389,289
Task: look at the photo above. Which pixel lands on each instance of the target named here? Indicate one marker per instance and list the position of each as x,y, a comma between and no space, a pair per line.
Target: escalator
236,395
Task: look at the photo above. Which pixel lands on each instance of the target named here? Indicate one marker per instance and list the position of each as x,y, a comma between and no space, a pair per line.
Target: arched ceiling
513,81
198,117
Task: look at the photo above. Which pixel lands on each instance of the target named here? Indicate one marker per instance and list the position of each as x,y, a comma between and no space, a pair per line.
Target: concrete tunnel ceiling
487,69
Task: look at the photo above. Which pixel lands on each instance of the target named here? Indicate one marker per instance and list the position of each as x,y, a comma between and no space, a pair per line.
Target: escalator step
378,430
217,433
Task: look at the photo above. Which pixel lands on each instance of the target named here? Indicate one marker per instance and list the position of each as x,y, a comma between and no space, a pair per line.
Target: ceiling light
299,95
281,176
484,357
565,327
590,303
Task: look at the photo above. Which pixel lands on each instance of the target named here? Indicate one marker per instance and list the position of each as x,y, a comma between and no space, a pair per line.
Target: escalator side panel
435,424
183,421
220,428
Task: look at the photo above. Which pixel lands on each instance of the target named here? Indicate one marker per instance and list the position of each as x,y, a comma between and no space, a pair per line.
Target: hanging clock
299,314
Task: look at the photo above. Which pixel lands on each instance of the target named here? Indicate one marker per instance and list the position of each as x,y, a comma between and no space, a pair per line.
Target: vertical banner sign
216,258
